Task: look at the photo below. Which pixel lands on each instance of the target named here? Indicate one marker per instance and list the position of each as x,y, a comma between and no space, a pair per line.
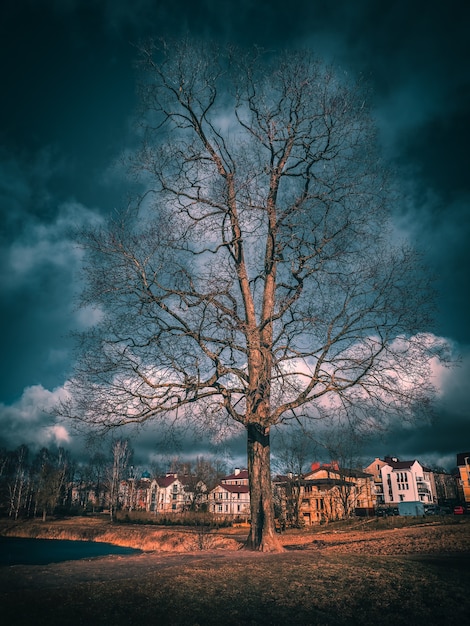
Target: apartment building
397,481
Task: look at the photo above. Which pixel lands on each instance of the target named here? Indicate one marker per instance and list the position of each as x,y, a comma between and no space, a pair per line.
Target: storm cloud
68,104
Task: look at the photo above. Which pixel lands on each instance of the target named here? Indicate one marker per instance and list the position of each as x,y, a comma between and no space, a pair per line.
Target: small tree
51,469
18,480
343,446
198,478
293,457
121,455
257,281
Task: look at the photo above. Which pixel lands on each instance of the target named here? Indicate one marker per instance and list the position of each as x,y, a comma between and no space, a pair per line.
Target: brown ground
374,573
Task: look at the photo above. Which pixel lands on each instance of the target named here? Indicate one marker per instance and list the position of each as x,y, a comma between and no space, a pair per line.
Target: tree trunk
262,531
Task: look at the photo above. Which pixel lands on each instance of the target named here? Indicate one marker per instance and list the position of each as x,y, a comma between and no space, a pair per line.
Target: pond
20,551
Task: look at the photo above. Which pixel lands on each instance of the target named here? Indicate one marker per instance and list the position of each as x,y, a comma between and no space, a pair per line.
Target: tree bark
262,534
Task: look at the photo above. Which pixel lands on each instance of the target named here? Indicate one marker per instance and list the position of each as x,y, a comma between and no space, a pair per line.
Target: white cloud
28,420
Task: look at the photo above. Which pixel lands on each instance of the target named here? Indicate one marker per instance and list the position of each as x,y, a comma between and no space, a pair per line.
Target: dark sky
67,104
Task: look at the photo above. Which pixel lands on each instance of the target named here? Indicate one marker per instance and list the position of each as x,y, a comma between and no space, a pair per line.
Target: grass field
403,572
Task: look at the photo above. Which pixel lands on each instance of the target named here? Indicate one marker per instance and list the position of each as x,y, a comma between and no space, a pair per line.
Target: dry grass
411,575
148,538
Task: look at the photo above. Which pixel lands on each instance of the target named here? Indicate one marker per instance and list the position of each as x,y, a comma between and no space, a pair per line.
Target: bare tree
19,480
97,478
121,455
198,477
294,453
257,281
343,446
51,469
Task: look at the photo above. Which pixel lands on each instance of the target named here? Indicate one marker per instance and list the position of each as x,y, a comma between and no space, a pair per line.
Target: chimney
236,471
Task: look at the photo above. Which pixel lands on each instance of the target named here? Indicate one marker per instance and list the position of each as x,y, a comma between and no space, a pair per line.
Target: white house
168,494
231,497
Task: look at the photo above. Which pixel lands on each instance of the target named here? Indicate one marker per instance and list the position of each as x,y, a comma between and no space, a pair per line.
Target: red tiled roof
165,481
235,488
242,474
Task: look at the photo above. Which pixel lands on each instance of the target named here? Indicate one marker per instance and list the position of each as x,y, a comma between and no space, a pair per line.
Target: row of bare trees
49,481
34,484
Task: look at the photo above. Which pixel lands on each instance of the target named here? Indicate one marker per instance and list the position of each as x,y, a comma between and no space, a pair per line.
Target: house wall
377,487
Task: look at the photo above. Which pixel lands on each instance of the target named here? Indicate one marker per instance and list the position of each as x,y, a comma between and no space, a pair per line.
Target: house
401,481
231,497
175,493
463,466
350,490
168,494
326,493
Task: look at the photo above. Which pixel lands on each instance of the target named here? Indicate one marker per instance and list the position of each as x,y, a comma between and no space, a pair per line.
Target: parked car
431,509
459,510
434,509
387,511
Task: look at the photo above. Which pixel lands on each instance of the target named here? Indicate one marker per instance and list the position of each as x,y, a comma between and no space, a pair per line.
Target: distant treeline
50,481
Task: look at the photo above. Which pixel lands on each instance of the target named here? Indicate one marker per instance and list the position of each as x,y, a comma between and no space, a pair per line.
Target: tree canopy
257,279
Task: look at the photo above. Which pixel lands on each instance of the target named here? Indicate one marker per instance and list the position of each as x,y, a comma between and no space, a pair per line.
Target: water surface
21,551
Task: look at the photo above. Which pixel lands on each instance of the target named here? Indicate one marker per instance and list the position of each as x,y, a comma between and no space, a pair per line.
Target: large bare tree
257,281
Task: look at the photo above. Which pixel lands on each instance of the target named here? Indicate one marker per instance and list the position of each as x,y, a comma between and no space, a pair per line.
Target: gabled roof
233,488
400,464
236,488
241,475
166,481
333,468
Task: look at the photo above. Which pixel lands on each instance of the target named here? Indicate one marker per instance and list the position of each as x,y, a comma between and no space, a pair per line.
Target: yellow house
352,493
324,494
463,465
